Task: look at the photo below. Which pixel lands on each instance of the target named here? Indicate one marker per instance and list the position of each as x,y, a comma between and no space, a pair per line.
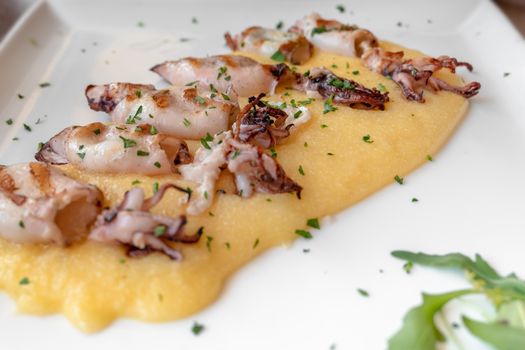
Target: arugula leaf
418,330
499,335
509,286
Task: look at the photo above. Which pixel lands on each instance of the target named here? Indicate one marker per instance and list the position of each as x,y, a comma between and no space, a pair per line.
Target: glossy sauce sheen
92,284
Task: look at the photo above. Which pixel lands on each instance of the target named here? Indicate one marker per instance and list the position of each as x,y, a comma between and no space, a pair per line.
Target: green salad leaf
418,330
497,334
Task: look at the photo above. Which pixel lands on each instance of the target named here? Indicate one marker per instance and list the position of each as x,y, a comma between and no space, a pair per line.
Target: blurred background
10,10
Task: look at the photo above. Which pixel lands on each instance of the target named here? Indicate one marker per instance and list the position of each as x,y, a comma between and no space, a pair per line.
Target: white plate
472,197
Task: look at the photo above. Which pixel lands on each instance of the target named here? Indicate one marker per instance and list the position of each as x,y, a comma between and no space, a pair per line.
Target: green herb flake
194,20
399,179
81,155
132,119
227,245
186,123
255,244
340,8
278,56
9,121
323,126
279,25
24,281
273,152
381,87
141,153
44,85
27,127
135,182
197,328
304,234
506,74
314,223
21,224
40,146
138,93
297,114
96,131
363,292
329,154
355,72
157,165
319,30
328,105
305,145
20,96
205,140
301,170
225,97
367,139
429,158
408,266
155,187
414,200
221,71
191,83
200,100
140,24
153,130
209,239
128,143
159,230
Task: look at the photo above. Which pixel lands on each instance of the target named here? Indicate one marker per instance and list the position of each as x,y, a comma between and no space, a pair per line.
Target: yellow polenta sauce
93,283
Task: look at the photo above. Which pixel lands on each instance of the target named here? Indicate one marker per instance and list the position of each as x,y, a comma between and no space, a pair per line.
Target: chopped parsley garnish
186,123
297,114
279,25
128,143
24,281
140,24
329,154
197,328
194,20
314,222
44,85
142,153
157,164
307,73
323,126
236,154
305,144
191,83
221,71
342,84
429,158
151,116
155,187
135,182
9,121
328,106
200,100
334,65
138,93
213,89
21,224
319,30
306,102
304,234
153,130
273,152
20,96
506,74
255,244
268,199
363,292
399,179
408,266
340,8
40,146
301,170
209,239
278,56
96,131
159,230
225,97
355,72
367,139
27,127
381,87
228,245
205,194
205,140
132,119
81,155
415,200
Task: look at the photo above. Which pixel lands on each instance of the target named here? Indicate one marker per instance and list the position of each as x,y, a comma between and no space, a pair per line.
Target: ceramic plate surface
471,198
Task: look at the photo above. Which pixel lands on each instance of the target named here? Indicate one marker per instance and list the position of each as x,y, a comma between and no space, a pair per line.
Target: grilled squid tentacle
265,124
122,148
415,75
343,91
40,204
188,112
131,224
